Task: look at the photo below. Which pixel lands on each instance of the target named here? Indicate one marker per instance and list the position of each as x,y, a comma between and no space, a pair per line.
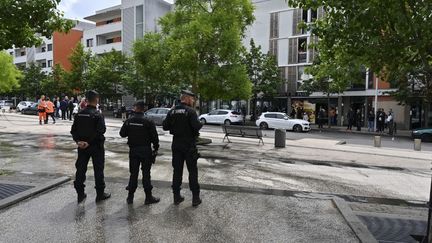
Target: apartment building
52,51
275,29
119,26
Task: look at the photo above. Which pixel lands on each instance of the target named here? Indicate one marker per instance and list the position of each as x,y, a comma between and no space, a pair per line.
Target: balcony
103,29
106,48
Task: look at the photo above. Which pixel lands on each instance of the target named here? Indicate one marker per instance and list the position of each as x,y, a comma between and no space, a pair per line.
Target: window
302,50
23,53
43,65
110,21
222,112
50,62
280,116
110,41
89,42
314,15
43,49
162,111
139,22
11,53
213,113
270,115
49,47
274,25
151,111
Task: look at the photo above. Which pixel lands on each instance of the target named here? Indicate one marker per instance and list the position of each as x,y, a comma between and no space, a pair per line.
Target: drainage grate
7,190
393,229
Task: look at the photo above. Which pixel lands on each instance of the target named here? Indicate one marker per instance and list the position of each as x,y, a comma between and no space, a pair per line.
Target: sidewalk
339,129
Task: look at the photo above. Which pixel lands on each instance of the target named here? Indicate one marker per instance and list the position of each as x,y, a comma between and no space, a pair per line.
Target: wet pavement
245,186
223,217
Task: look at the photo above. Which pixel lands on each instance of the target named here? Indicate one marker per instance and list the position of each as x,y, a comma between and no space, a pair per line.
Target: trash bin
280,138
417,144
377,141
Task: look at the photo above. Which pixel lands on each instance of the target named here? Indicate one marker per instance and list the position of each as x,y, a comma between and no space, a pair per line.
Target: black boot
130,198
102,196
196,200
81,197
150,199
178,198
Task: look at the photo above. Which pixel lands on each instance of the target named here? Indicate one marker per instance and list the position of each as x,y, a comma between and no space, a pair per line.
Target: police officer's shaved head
92,96
139,106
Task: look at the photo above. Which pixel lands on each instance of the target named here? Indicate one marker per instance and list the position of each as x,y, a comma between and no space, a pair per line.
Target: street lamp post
376,102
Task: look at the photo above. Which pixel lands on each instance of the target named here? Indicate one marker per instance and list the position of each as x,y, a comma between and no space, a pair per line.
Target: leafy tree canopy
21,21
205,40
9,74
390,37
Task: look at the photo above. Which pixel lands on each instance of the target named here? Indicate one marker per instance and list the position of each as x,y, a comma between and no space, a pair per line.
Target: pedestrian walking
359,120
305,117
141,134
350,119
123,112
381,116
83,104
63,107
41,107
321,116
49,111
371,120
57,107
88,131
70,107
182,122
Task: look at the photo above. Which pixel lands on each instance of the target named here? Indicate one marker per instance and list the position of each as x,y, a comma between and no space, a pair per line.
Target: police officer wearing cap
182,122
88,131
141,134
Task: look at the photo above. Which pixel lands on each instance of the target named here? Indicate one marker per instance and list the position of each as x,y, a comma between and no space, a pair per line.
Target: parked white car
226,117
282,121
24,104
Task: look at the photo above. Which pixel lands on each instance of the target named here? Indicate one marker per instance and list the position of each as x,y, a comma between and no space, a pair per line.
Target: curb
329,130
359,229
32,192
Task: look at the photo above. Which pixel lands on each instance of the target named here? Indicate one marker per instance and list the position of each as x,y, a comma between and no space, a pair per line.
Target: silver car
157,115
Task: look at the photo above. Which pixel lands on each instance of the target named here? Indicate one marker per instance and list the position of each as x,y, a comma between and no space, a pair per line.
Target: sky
78,9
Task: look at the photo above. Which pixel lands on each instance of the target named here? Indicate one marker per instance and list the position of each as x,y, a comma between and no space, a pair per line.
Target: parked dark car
31,110
425,134
117,112
157,115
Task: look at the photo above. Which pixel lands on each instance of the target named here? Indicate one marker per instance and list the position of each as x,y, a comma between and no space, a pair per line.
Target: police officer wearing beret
141,134
88,131
182,122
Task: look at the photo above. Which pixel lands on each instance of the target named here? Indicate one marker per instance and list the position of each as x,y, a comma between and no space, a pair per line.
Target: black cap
91,95
140,104
188,93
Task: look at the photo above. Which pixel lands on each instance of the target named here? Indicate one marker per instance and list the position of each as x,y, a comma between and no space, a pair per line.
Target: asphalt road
349,138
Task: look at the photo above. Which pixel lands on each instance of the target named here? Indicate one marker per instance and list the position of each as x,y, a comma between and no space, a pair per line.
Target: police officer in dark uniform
182,122
88,131
141,134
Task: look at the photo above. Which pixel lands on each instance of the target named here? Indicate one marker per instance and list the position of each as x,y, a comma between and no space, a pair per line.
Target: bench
244,132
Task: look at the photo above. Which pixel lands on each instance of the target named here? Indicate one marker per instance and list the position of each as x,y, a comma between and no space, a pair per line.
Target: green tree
151,55
9,74
20,21
76,77
205,40
391,37
54,84
31,83
263,72
108,72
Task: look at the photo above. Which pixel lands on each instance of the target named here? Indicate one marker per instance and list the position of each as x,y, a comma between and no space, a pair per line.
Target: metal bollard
377,141
280,138
417,144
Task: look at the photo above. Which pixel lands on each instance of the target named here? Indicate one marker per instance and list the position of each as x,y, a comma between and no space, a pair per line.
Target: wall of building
63,45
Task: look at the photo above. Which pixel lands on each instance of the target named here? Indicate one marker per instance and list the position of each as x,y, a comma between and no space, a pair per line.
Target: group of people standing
88,132
381,119
57,108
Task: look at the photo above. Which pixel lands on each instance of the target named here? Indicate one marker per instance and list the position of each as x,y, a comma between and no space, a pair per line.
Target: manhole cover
7,190
393,229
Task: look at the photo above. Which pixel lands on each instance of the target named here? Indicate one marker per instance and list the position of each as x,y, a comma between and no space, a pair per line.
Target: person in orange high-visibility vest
49,110
42,106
